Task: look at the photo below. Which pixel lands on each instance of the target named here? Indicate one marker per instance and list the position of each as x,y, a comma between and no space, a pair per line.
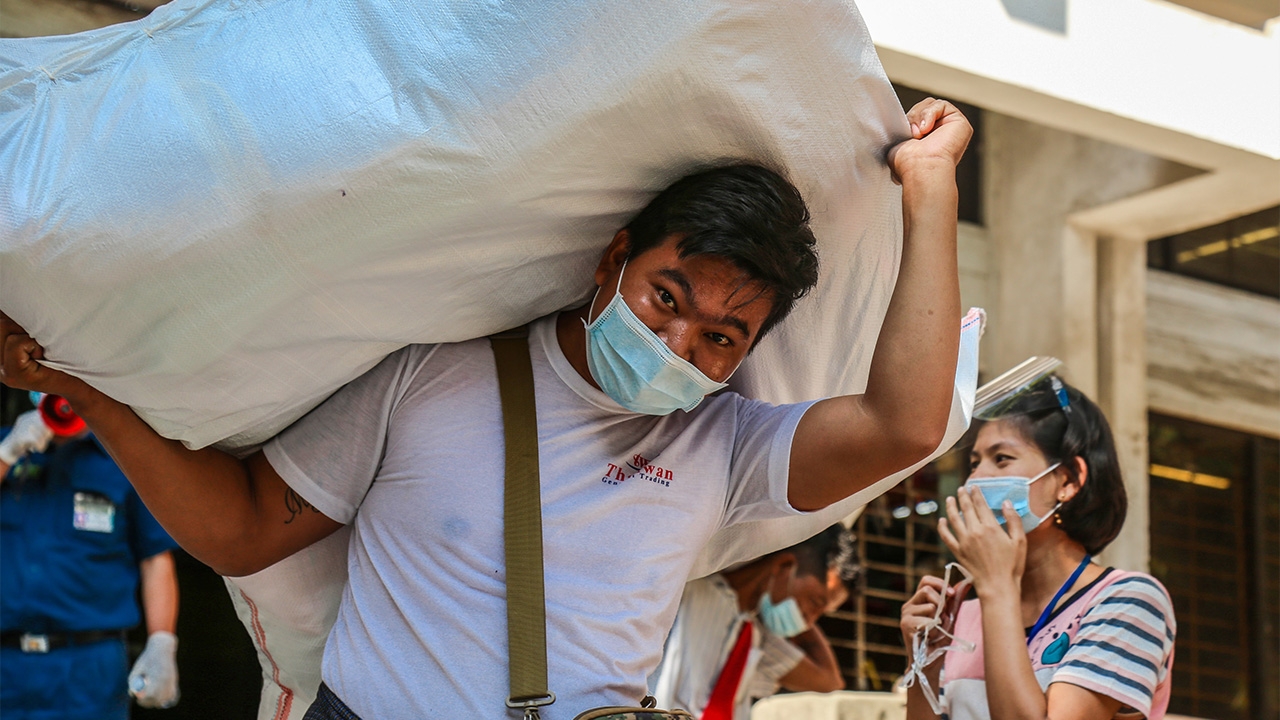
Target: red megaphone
59,417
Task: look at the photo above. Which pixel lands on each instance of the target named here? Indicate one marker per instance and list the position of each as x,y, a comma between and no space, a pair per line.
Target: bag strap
522,526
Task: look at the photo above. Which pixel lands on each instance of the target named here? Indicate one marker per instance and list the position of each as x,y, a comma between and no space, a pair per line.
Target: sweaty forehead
748,291
738,286
722,281
722,294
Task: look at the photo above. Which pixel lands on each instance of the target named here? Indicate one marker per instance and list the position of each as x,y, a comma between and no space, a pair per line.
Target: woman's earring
1057,519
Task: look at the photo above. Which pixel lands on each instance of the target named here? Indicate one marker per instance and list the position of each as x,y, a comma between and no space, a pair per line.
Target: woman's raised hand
994,556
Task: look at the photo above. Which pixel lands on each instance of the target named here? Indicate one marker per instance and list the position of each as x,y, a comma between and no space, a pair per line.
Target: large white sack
222,212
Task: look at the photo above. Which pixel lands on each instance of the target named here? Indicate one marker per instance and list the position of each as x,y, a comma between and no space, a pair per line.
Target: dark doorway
1215,544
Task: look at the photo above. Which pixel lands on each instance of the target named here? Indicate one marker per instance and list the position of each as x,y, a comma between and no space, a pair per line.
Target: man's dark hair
751,216
820,552
1095,515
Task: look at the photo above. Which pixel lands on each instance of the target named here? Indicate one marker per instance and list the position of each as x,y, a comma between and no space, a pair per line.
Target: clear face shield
1028,389
1023,396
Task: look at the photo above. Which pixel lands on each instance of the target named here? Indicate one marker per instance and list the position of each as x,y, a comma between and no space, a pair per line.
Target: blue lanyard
1044,616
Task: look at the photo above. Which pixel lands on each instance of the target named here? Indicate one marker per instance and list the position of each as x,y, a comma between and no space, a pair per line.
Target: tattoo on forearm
295,504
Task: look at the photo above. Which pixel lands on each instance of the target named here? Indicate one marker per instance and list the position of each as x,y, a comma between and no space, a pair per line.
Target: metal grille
1241,253
1214,497
897,544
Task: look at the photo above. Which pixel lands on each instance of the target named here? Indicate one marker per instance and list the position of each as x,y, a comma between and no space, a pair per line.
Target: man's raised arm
844,444
237,516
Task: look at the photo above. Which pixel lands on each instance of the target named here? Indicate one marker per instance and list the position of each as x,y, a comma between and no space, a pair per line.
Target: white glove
29,434
154,678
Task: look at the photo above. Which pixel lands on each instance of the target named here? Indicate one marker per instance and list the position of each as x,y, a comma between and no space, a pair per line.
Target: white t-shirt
628,501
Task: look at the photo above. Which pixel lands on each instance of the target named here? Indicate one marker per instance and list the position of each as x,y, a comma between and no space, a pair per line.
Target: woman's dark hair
751,216
1095,515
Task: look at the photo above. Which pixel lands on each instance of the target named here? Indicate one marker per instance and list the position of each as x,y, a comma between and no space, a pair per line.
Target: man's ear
1077,472
614,256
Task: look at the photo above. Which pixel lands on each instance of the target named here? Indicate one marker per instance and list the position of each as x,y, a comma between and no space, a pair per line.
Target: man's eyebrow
736,323
682,280
679,278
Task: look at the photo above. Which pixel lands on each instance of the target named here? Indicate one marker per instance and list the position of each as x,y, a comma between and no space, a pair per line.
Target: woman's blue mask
995,490
632,365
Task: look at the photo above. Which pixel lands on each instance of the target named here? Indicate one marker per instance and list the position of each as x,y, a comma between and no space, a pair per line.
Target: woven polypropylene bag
222,212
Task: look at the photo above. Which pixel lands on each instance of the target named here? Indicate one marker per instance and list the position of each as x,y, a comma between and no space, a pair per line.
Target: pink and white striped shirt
1113,637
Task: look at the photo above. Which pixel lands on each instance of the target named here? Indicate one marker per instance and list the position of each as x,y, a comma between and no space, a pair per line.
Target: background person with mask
741,633
777,670
76,547
1054,634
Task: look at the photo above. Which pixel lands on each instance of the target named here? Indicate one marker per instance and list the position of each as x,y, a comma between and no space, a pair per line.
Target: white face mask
995,490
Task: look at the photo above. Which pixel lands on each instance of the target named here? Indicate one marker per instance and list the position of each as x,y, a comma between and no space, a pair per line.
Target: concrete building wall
1213,354
1135,340
976,286
1145,74
1044,275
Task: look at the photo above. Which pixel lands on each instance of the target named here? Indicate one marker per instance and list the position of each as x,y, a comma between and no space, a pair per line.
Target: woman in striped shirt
1052,634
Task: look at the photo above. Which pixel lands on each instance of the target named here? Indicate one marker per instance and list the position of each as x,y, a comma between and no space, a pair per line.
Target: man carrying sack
412,453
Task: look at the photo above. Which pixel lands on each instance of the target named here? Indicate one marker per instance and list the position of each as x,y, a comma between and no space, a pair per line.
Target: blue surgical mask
633,366
783,619
995,490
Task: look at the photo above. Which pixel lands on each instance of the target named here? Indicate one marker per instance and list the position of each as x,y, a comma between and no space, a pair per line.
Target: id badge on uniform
93,513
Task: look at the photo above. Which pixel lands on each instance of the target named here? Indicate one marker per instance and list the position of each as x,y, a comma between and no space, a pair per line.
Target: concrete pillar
1079,340
1122,386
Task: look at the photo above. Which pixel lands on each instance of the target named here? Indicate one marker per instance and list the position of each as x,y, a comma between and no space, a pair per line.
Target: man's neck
749,582
572,336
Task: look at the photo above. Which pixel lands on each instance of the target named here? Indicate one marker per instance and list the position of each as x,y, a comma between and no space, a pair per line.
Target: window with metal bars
1215,544
897,544
1243,253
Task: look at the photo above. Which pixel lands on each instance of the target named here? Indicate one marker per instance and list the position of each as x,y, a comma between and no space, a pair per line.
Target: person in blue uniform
76,545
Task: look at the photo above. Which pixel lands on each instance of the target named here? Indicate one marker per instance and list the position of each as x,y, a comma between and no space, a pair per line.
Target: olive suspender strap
522,526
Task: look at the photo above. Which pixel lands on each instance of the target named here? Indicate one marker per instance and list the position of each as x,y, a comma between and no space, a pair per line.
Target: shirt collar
544,335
